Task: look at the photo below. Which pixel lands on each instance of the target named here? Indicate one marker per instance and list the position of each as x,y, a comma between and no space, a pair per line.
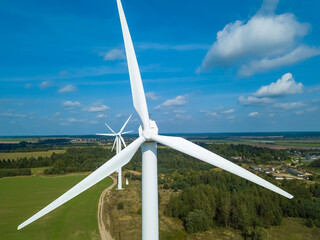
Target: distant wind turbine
117,142
148,138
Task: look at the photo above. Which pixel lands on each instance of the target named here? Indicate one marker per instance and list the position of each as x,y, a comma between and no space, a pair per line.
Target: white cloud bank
264,42
286,85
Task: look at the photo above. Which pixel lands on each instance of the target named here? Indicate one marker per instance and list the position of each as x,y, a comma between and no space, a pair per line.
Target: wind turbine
117,141
148,138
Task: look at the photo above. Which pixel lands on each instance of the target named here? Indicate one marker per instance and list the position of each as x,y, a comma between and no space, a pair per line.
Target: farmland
17,155
21,197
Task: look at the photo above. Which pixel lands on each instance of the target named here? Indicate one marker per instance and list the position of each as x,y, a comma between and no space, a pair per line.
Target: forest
218,199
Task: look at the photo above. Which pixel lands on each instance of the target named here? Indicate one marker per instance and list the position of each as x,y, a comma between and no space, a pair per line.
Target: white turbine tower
117,142
148,137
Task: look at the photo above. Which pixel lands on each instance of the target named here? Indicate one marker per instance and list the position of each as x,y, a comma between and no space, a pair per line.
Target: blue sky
207,66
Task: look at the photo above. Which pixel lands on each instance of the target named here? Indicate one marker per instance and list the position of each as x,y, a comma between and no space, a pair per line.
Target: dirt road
105,235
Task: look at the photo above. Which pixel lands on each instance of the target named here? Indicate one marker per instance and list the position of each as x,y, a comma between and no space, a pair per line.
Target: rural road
105,235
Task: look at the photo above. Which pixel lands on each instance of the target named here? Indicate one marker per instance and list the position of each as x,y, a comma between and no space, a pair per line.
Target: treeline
41,145
248,152
27,162
209,199
169,161
315,163
78,160
89,158
73,160
14,172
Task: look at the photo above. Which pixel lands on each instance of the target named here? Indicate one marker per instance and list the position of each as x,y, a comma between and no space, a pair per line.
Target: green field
16,155
38,171
21,197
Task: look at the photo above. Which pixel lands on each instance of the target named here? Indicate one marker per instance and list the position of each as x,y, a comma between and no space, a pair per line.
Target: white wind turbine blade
126,132
106,134
105,170
110,128
122,140
198,152
114,143
138,96
124,125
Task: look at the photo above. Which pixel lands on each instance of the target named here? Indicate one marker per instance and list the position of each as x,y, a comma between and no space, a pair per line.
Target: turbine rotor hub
149,132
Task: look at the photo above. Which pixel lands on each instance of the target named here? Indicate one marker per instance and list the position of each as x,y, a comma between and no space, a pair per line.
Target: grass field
21,197
38,171
16,155
292,229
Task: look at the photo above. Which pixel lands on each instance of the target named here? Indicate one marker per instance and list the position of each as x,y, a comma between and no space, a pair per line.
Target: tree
196,221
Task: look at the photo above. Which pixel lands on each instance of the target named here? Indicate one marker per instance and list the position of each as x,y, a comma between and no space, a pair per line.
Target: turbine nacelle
150,132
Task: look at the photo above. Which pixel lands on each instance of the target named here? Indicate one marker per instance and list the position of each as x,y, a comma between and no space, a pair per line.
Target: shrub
139,211
120,206
309,223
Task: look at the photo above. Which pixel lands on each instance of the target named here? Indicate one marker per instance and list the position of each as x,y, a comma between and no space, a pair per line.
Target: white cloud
263,42
228,111
312,109
299,112
101,115
231,117
28,85
72,120
181,116
13,115
64,73
251,100
296,55
211,114
152,96
120,115
284,86
100,108
115,54
45,84
179,111
180,47
71,104
253,114
174,102
68,88
289,106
